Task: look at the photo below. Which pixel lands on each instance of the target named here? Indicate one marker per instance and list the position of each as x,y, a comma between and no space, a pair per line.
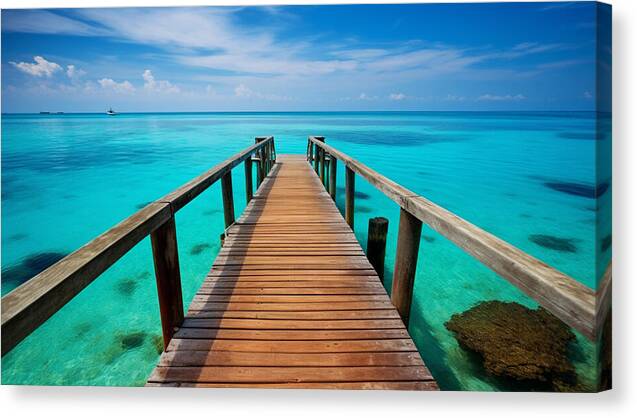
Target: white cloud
73,72
243,91
397,96
365,96
160,86
588,95
454,98
40,68
504,98
112,85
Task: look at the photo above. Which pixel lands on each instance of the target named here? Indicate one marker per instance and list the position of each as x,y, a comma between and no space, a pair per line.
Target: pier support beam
228,201
377,244
322,168
166,260
332,182
409,230
248,172
349,196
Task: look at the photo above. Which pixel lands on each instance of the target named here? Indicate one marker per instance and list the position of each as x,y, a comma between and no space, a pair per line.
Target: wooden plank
238,359
411,386
326,346
288,374
273,324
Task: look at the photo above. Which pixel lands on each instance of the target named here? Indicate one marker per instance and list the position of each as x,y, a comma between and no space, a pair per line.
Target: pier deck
292,301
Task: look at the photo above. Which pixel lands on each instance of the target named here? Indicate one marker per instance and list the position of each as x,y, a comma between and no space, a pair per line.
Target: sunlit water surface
67,178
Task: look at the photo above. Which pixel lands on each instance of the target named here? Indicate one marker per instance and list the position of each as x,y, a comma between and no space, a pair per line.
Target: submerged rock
358,195
578,189
158,343
199,248
126,287
517,343
29,267
132,340
566,245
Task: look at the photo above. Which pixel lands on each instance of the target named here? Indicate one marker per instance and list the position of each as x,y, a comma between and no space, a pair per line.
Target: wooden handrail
28,306
569,300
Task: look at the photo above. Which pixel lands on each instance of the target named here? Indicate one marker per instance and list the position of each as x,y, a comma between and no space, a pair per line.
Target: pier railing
574,303
28,306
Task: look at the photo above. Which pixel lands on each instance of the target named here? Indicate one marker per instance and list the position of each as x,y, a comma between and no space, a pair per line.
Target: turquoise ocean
531,178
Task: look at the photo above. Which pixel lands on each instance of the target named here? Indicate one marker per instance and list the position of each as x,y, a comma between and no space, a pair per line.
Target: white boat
111,112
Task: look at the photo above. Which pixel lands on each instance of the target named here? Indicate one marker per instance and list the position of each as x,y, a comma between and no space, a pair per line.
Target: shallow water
525,177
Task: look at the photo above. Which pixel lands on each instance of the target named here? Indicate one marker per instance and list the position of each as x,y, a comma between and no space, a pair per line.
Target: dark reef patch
590,136
17,237
395,138
607,241
82,329
362,209
428,238
526,215
578,189
199,248
132,340
210,212
29,267
358,195
143,205
518,344
126,287
566,245
158,343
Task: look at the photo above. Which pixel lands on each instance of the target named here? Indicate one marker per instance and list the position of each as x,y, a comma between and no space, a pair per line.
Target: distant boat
111,112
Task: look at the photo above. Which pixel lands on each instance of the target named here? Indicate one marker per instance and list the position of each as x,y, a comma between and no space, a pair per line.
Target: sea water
68,178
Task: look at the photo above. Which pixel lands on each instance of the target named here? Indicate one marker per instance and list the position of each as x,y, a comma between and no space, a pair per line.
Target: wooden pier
292,300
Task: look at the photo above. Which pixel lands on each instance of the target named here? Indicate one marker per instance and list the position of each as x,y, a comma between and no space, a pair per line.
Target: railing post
349,196
317,151
332,182
322,168
310,151
166,260
377,243
228,202
409,230
248,172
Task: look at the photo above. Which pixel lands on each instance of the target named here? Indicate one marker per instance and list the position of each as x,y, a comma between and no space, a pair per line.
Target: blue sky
499,56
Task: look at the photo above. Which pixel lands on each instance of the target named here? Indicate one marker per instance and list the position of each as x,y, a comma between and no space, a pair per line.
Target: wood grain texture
569,300
292,301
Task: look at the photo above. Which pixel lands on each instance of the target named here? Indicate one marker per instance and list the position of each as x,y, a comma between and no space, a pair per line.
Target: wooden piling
409,230
377,243
350,178
166,260
322,167
228,201
248,172
332,182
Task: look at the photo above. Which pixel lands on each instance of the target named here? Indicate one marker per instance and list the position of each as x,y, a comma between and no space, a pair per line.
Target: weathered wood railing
574,303
31,304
